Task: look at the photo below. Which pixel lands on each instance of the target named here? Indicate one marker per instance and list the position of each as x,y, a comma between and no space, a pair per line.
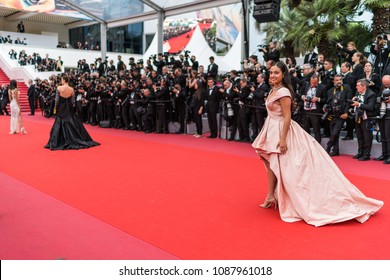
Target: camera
229,108
140,61
385,94
326,114
261,47
153,57
308,102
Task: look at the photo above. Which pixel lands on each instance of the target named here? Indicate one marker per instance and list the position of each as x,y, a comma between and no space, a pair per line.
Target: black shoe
387,161
357,156
380,158
346,138
231,139
364,158
147,131
211,136
333,154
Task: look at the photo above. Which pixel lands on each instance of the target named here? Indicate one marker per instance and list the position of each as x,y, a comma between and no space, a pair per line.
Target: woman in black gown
68,133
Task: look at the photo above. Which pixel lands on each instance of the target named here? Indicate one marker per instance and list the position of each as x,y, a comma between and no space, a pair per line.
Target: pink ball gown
310,186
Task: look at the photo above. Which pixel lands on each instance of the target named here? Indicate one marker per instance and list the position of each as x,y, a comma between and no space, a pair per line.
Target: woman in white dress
16,114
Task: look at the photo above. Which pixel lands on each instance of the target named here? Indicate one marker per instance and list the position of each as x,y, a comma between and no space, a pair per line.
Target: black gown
68,132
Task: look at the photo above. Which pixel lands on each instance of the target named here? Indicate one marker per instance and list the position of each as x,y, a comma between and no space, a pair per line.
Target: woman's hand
200,111
282,146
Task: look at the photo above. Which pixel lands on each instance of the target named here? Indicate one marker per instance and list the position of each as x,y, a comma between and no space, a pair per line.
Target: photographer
384,121
311,58
81,100
124,95
229,97
179,98
92,97
120,66
162,97
159,63
380,49
195,63
359,60
364,108
336,108
243,91
259,113
271,53
313,97
348,79
148,112
134,100
347,52
4,99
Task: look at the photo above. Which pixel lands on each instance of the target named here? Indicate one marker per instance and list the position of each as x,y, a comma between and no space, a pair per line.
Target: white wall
37,28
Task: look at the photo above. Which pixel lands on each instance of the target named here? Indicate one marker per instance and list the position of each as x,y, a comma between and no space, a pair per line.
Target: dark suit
313,111
349,79
31,98
4,100
260,112
338,104
213,98
363,126
358,72
272,55
312,60
212,71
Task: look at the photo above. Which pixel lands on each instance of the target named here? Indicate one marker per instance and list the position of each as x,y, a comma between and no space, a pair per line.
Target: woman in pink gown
303,181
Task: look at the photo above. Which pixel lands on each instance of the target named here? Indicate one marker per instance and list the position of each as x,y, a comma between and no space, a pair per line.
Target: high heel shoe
22,130
268,202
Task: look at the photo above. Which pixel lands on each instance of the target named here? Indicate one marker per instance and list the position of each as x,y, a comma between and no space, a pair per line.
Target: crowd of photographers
146,96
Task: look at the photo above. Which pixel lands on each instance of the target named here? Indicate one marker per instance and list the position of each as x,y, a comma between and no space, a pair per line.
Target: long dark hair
13,84
286,81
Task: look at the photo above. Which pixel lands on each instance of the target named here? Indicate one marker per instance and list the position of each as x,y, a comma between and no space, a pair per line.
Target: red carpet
22,88
192,198
180,42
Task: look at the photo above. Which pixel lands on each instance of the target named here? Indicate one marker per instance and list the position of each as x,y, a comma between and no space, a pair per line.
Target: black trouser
161,122
313,120
335,127
213,124
242,123
126,115
80,111
198,121
350,126
181,113
31,102
258,119
364,136
135,117
4,106
92,112
147,120
233,122
386,136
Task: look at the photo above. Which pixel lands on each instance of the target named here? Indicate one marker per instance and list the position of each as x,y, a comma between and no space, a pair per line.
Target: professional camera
336,107
308,102
153,57
140,61
186,54
326,112
296,69
261,47
385,94
229,108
